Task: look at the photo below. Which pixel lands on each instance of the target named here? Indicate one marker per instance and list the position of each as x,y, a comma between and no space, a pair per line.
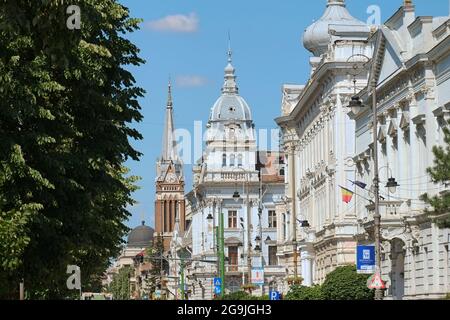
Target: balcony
389,210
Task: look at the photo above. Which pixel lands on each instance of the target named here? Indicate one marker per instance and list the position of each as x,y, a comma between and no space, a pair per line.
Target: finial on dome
407,3
336,3
230,85
230,52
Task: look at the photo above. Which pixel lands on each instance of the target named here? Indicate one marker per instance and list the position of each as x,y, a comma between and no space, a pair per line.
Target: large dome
230,107
141,236
317,37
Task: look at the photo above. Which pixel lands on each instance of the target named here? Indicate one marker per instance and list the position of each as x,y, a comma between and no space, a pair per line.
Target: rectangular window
232,219
272,219
233,258
273,259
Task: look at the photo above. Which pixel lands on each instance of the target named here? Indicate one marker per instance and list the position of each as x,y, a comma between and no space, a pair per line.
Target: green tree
158,265
120,285
305,293
440,174
67,102
345,283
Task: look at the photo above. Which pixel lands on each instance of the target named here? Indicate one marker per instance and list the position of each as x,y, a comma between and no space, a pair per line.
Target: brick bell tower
170,201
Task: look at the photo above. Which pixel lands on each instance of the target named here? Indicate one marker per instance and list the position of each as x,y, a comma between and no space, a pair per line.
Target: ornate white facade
411,67
231,163
319,139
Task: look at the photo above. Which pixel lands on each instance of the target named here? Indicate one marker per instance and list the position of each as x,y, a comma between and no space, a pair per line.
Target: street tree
440,174
158,264
67,105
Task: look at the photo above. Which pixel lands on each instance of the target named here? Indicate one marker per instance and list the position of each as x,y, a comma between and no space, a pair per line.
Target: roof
141,236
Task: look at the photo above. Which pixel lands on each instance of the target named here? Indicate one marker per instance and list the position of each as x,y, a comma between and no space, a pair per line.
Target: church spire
169,95
230,85
169,143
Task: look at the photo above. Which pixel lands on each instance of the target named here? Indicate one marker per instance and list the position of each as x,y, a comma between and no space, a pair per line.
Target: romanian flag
347,195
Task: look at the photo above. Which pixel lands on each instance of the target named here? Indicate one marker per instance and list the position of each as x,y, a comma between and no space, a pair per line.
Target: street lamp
304,224
392,185
236,197
258,244
356,106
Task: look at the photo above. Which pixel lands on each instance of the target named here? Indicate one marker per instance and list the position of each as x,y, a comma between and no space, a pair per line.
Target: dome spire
318,37
230,85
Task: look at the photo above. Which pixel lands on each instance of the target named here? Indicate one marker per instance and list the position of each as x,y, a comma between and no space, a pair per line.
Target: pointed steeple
169,95
169,143
230,85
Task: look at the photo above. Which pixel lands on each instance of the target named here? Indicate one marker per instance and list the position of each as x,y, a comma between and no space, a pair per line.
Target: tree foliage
154,254
66,108
305,293
345,283
120,285
440,174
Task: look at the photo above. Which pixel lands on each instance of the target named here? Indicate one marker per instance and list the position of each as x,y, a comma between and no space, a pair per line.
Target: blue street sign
217,286
217,282
274,295
217,290
365,259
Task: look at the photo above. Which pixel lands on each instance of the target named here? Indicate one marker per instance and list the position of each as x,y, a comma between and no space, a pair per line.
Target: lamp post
236,197
356,105
220,239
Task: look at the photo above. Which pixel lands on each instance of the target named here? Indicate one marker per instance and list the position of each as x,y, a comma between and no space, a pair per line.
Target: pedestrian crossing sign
217,282
375,282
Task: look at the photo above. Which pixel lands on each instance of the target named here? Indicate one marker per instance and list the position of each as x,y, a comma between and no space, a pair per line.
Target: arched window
232,160
239,160
224,160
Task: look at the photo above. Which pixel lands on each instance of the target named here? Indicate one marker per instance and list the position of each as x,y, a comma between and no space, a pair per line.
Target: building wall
413,109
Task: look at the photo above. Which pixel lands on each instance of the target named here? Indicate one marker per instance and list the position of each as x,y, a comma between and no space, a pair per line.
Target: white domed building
319,139
235,179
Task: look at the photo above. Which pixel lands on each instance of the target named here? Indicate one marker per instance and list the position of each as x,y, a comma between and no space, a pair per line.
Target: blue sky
188,40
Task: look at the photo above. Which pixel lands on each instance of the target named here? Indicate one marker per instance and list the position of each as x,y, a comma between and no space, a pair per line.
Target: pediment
391,62
387,55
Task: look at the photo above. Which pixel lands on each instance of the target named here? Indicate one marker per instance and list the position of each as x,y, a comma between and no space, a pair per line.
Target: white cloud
176,23
189,81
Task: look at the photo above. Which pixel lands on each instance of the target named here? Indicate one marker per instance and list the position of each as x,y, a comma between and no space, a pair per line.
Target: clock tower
170,201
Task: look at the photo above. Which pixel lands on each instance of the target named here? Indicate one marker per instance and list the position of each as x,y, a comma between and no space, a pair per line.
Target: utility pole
221,252
293,209
249,237
183,294
376,182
